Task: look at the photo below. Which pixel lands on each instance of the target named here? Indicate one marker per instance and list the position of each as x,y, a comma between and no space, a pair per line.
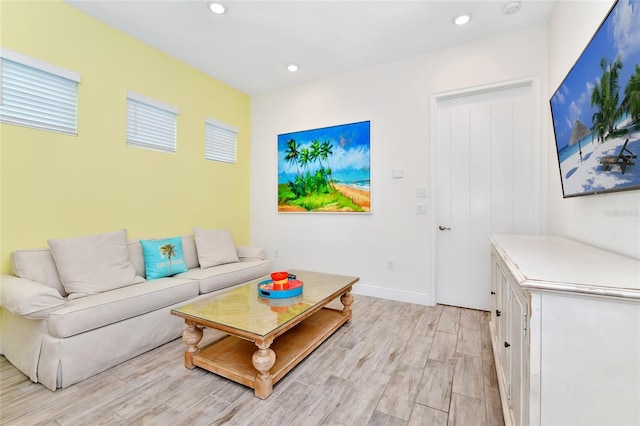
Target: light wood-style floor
395,364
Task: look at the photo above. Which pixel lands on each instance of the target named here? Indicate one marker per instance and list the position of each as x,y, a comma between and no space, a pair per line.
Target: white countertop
561,264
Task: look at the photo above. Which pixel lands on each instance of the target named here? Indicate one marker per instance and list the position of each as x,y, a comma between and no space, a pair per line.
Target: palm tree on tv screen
605,95
631,101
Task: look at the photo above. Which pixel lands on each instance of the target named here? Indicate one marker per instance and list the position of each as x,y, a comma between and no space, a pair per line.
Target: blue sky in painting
351,159
618,36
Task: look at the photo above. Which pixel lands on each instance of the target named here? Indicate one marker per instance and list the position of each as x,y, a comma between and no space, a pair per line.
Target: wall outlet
391,264
276,252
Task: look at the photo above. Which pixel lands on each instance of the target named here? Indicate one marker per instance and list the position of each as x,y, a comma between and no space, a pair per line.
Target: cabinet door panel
518,349
496,312
505,330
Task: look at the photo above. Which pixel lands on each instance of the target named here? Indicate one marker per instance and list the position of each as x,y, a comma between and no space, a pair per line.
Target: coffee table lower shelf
231,357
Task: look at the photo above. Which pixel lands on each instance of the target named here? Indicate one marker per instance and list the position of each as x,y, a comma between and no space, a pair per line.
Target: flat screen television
596,109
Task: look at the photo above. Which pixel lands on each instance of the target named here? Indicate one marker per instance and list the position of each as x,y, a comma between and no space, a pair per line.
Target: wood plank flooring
395,364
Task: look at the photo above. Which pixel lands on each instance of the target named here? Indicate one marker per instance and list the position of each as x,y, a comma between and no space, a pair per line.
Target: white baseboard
390,294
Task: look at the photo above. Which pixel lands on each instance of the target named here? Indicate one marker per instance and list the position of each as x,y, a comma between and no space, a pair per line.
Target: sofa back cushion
37,265
136,255
215,247
189,251
94,264
163,257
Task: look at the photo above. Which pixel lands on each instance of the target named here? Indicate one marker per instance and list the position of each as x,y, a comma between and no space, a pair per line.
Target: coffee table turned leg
347,301
263,359
191,336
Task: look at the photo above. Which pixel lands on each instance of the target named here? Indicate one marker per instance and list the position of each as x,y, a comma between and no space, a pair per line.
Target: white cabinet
510,340
565,327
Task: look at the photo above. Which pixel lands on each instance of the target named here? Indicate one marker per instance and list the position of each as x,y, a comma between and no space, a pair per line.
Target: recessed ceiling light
462,19
511,8
292,67
217,8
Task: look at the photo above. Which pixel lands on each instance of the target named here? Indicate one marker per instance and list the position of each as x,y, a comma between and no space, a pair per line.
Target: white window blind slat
18,83
220,142
150,126
37,98
46,107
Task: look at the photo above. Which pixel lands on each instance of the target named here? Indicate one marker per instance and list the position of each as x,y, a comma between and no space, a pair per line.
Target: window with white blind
220,141
37,94
151,124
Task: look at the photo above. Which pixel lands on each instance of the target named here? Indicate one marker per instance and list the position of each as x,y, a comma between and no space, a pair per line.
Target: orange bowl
279,276
280,280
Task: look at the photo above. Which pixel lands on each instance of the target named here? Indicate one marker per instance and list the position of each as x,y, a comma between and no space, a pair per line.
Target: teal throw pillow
163,258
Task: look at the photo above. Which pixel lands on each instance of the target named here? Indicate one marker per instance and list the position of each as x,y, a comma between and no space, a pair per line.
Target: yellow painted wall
56,186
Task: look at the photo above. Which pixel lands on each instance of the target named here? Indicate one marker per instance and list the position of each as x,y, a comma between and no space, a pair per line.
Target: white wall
609,221
395,97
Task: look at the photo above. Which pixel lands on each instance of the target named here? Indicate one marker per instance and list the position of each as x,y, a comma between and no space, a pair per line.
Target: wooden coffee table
284,331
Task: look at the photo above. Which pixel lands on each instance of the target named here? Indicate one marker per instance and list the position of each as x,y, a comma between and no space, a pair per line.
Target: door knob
443,228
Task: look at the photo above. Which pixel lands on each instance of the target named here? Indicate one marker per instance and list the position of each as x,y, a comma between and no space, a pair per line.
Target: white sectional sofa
59,339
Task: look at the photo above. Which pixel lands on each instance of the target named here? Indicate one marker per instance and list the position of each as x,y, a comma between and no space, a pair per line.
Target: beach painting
325,170
596,109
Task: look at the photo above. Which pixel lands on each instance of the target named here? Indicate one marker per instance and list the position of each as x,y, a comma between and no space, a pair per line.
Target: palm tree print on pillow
168,250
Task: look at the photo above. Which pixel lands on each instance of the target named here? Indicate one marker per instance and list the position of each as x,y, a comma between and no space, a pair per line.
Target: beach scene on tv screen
596,110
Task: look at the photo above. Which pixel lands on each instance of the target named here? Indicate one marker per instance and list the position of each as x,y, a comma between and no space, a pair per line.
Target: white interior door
483,177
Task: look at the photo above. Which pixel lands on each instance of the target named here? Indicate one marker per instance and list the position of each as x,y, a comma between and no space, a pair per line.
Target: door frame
538,155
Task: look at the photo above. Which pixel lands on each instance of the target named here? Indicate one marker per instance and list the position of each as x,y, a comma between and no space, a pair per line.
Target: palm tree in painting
305,158
631,101
169,251
307,182
319,152
292,154
314,152
326,150
605,95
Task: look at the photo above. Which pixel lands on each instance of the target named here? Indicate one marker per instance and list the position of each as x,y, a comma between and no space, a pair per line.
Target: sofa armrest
25,297
251,253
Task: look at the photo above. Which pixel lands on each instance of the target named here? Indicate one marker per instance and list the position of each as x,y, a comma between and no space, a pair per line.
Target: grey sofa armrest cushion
26,297
248,252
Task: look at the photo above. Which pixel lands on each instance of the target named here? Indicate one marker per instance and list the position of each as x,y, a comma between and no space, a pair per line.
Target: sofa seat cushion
227,275
91,312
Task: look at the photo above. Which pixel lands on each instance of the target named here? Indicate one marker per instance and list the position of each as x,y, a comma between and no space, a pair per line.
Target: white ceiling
250,46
